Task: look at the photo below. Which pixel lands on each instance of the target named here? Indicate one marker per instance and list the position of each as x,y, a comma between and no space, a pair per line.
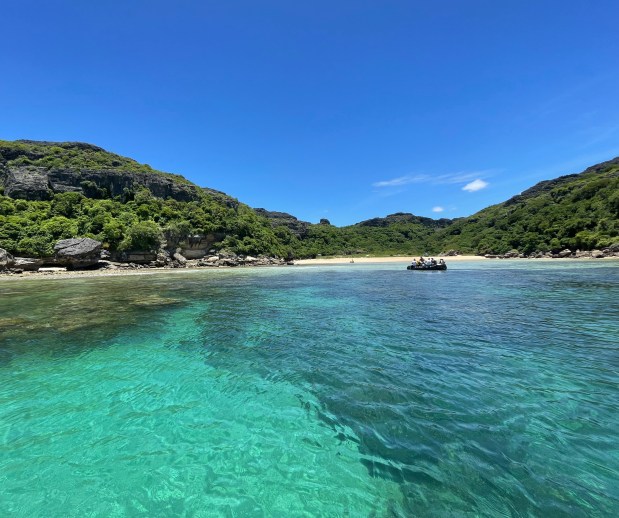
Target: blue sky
343,110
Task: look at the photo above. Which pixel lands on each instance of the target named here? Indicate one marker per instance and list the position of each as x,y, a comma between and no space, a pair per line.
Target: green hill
51,191
578,211
399,233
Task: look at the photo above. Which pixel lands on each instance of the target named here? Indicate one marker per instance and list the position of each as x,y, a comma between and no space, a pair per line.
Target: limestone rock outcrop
610,251
29,183
6,260
24,176
198,246
29,264
282,219
77,253
38,183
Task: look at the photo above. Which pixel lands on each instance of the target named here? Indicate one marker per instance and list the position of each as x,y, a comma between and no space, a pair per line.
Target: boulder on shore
6,260
29,264
180,259
77,253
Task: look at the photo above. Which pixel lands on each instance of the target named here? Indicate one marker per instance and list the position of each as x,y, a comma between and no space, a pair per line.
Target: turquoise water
491,389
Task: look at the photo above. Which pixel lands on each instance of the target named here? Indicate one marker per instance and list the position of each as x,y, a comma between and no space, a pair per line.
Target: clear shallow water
491,389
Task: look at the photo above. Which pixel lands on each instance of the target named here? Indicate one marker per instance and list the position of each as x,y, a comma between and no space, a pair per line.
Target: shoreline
391,259
322,261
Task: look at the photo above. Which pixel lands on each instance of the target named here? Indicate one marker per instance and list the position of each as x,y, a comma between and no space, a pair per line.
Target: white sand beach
391,259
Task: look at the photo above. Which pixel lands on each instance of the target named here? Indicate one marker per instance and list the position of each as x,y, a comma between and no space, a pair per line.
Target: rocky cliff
38,170
405,217
282,219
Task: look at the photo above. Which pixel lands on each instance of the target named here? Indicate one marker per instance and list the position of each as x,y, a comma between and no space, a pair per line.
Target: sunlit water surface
491,389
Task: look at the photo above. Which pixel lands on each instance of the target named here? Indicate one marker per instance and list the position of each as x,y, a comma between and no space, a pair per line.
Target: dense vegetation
576,211
30,228
395,234
135,220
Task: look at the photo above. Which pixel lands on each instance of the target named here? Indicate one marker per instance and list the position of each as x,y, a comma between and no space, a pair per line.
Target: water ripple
370,391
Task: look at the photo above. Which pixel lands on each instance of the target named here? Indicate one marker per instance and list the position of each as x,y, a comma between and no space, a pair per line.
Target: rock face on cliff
405,217
39,183
38,170
77,253
222,197
26,183
198,246
283,219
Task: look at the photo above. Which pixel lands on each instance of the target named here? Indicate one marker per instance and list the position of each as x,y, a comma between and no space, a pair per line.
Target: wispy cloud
437,209
600,133
441,179
461,177
402,180
475,185
561,99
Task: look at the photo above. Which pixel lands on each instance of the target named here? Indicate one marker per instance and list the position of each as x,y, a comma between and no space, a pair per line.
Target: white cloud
437,209
475,185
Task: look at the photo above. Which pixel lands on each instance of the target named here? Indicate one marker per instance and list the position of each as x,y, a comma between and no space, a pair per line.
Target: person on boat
441,261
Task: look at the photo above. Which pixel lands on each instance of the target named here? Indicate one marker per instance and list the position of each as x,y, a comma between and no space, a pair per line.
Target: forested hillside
579,211
52,191
399,233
